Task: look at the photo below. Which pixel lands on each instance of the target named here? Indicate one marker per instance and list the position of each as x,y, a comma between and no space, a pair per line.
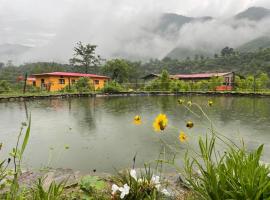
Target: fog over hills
246,31
137,35
254,13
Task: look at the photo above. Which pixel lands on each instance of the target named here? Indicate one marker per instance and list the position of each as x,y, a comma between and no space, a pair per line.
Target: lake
98,133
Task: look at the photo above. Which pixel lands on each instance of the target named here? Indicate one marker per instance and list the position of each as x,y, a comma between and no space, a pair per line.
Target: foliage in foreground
236,174
128,185
224,170
54,192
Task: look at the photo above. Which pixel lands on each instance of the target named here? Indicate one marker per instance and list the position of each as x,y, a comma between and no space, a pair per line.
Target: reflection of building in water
56,104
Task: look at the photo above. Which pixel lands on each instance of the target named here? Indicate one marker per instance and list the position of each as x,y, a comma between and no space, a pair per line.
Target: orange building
56,81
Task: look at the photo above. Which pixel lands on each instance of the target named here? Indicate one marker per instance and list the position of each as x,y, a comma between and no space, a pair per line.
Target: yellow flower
160,122
210,102
189,103
181,101
137,120
189,124
182,136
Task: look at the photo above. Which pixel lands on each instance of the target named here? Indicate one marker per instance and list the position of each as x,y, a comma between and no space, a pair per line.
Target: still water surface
100,134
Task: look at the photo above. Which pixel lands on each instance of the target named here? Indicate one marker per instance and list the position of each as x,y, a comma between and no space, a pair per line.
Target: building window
62,81
96,82
34,83
42,81
72,81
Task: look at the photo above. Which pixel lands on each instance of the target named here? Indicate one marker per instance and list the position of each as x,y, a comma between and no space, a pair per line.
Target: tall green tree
85,56
117,69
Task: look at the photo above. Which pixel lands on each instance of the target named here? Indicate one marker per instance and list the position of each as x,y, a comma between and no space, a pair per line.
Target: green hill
253,45
254,13
180,53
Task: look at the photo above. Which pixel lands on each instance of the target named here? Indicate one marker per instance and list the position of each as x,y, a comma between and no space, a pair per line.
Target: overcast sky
61,23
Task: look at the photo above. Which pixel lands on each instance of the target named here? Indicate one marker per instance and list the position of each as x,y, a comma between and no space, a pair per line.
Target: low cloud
122,27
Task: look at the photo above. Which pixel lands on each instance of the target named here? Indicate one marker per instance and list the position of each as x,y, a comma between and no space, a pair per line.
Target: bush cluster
165,83
112,87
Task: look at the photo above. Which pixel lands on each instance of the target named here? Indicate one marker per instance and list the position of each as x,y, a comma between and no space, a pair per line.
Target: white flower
155,181
165,192
133,174
114,189
124,191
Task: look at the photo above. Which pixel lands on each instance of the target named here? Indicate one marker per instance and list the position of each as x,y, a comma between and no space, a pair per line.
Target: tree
84,85
2,65
227,51
165,80
117,69
85,56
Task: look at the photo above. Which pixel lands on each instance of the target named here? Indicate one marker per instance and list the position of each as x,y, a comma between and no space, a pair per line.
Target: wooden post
254,84
25,79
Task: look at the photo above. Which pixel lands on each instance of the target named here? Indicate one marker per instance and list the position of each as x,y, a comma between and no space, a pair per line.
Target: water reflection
100,133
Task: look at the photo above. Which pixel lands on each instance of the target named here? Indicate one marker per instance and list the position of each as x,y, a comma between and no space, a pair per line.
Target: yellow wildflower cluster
161,121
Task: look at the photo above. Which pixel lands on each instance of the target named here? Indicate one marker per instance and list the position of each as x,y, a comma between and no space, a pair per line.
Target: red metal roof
71,74
202,75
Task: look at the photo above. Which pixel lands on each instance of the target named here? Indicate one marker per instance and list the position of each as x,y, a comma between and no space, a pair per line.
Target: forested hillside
228,59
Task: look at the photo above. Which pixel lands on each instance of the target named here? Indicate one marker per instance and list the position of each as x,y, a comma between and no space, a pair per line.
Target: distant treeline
243,63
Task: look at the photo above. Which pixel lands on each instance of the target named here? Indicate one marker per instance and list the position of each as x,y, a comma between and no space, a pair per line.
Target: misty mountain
182,53
254,13
253,45
172,21
167,35
11,51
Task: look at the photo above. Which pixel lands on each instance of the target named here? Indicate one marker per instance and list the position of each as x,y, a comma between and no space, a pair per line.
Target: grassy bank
24,96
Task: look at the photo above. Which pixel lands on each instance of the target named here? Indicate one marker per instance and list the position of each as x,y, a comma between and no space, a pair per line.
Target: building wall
56,83
229,79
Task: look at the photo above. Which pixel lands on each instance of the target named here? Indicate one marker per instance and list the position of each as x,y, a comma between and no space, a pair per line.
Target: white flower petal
124,191
155,179
165,192
114,188
158,186
122,195
133,174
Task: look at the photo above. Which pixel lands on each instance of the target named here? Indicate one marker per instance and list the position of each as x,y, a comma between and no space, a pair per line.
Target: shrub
4,86
84,85
112,87
70,88
54,192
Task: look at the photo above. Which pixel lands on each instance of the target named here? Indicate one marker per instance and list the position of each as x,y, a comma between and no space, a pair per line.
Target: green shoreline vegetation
252,72
249,85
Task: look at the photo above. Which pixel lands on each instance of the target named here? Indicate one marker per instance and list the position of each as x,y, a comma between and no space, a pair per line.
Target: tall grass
231,173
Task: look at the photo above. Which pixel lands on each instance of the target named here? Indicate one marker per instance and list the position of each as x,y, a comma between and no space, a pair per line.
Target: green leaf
90,183
26,137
